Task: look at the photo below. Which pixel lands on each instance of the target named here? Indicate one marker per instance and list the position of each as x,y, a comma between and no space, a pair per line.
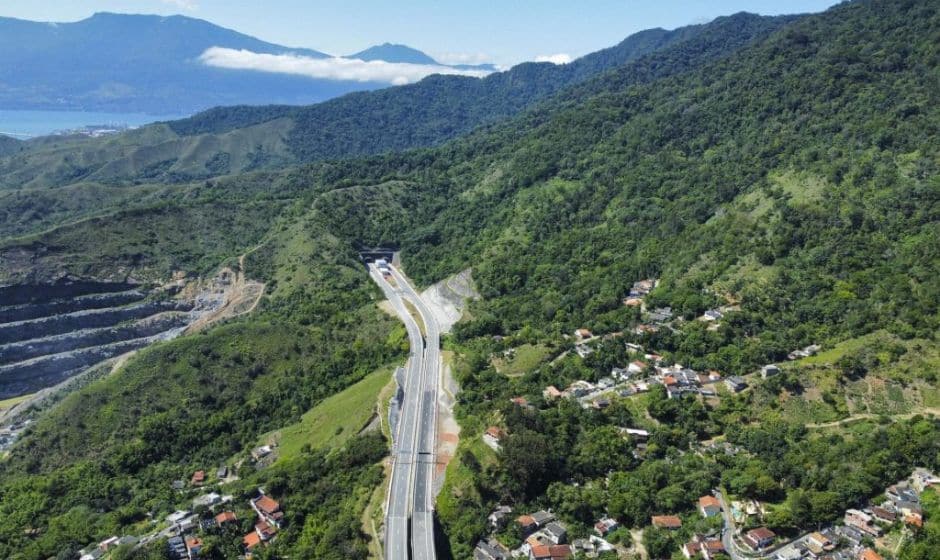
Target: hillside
792,181
439,108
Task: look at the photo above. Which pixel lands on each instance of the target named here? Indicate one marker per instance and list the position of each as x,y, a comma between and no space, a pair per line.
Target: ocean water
29,124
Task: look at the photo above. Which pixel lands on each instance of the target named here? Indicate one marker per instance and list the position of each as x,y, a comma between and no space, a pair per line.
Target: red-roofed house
225,517
869,554
550,552
760,538
491,437
193,546
667,521
251,540
527,523
709,506
268,509
199,477
265,530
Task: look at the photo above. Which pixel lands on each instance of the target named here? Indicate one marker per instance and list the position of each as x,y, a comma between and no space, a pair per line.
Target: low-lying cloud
344,69
560,58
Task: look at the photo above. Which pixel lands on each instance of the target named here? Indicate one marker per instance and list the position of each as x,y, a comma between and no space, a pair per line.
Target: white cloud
346,69
463,58
560,58
182,4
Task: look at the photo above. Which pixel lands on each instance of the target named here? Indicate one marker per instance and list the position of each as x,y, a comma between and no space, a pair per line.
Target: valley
676,296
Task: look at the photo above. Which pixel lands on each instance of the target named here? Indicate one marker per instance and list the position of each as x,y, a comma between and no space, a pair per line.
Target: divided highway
410,494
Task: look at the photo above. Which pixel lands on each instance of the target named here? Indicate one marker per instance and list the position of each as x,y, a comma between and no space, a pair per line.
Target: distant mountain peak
391,52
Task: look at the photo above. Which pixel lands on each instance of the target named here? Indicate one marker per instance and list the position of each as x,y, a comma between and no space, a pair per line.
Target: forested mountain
793,180
151,64
237,139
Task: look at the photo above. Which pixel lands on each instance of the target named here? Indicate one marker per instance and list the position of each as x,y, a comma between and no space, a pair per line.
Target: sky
504,32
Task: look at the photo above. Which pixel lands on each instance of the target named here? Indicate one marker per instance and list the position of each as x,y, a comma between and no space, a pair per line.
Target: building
265,530
869,554
259,453
555,533
605,526
490,550
222,472
709,506
708,548
583,350
268,509
193,546
666,521
225,517
251,541
769,370
198,479
759,539
884,515
551,393
492,436
583,334
636,367
206,500
550,552
497,519
861,521
735,384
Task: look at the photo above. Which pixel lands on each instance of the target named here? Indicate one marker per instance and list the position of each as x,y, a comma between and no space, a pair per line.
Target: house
819,542
606,382
251,541
222,472
543,518
198,479
193,546
491,437
861,521
583,334
923,479
633,301
636,367
601,404
579,389
708,548
527,524
914,519
634,347
583,350
178,485
709,506
490,550
259,453
92,553
268,509
550,552
661,315
901,492
711,315
634,433
884,515
869,554
555,532
605,526
735,384
108,543
645,329
759,539
551,393
620,374
666,522
265,530
177,547
497,519
176,516
769,370
225,517
670,381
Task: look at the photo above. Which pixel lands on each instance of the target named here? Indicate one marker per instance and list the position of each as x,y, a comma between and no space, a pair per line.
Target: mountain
389,52
235,139
394,53
791,183
142,63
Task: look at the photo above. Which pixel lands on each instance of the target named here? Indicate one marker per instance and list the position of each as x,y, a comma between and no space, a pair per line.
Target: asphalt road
410,494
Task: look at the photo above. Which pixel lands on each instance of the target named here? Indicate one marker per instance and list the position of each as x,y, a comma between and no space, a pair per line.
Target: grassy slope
334,420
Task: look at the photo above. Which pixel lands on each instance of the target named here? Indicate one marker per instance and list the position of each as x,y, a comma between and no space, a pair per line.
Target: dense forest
792,175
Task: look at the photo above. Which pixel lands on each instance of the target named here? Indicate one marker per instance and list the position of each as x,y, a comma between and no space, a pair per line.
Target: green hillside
793,180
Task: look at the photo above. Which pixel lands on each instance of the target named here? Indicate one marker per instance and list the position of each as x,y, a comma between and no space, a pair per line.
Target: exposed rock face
50,332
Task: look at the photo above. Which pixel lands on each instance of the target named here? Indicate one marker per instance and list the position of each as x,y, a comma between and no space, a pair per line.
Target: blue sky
500,31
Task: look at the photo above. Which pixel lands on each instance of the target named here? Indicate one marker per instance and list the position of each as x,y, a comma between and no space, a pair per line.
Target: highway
410,492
